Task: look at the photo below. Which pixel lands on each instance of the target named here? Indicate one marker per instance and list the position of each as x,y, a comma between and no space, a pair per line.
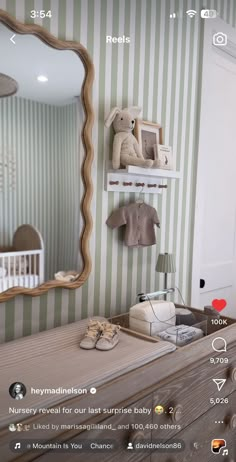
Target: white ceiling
30,57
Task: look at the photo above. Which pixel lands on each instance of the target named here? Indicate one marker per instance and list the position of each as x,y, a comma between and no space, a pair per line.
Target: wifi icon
191,13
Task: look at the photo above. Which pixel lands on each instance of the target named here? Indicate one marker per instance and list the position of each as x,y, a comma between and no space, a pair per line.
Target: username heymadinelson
58,391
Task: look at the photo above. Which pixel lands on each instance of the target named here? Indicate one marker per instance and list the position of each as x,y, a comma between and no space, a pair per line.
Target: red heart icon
219,305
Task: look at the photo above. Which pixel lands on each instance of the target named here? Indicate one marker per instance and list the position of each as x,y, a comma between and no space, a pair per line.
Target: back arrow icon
13,38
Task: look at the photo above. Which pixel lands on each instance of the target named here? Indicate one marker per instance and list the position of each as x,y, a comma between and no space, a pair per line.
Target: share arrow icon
219,383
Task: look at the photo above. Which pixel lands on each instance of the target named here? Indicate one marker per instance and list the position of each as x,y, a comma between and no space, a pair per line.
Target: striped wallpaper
69,188
43,141
161,71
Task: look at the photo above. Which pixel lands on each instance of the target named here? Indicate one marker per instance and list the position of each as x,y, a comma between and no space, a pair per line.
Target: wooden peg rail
138,185
138,180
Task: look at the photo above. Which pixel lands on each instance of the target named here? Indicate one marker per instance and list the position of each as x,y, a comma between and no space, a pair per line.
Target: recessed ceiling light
42,78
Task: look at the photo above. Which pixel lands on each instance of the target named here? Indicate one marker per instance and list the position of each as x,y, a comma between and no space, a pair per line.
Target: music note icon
17,446
225,452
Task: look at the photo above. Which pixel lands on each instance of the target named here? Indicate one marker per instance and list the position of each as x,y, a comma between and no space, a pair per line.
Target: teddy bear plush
126,150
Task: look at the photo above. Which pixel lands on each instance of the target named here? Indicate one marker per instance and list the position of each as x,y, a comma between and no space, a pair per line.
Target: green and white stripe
47,189
160,70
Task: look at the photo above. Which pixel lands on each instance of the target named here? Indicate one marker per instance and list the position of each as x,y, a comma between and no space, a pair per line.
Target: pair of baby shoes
100,335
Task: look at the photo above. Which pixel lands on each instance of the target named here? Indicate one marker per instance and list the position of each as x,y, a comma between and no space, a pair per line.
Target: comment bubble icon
219,344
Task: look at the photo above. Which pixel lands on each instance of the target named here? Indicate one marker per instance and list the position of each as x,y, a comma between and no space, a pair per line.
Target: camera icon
220,39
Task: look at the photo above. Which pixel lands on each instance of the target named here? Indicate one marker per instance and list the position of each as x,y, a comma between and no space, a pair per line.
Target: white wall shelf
137,179
156,172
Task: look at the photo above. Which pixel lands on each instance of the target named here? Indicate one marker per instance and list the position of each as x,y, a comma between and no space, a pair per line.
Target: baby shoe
109,337
92,335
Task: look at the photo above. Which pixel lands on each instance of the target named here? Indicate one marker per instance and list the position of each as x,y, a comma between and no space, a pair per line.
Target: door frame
211,26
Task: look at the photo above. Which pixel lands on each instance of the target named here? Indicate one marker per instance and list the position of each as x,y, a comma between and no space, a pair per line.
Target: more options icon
220,39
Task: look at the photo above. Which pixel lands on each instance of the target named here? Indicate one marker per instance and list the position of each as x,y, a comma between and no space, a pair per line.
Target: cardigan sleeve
156,218
117,218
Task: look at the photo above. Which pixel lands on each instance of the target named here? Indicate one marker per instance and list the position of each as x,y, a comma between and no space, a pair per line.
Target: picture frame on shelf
164,157
148,135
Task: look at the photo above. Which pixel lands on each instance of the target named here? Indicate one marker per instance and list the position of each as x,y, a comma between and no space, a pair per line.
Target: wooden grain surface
55,364
121,437
86,134
194,387
203,431
166,375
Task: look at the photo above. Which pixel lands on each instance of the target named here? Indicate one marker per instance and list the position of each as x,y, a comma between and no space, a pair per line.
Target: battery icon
208,14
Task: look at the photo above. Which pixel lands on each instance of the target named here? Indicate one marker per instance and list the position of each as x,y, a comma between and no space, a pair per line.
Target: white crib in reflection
22,264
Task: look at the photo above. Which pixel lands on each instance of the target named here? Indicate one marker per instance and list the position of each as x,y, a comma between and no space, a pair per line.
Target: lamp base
165,285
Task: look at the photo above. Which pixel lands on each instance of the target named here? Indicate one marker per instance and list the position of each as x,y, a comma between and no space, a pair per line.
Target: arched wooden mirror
46,153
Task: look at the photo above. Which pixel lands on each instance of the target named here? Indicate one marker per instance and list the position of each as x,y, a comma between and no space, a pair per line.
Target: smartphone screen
117,231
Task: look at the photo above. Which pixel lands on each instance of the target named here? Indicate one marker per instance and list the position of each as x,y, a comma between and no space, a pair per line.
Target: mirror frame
86,133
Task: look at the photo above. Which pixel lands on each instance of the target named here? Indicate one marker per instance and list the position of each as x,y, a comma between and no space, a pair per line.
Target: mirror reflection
41,154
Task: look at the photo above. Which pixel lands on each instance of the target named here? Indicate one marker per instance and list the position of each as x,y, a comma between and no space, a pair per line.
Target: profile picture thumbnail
17,390
12,427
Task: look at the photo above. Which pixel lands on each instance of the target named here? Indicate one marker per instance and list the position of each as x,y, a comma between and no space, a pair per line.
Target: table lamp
165,264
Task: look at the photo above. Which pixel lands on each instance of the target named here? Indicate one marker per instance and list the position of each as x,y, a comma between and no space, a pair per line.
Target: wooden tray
123,321
203,321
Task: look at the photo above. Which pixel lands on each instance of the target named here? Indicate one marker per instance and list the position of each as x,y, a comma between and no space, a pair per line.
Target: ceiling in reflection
64,71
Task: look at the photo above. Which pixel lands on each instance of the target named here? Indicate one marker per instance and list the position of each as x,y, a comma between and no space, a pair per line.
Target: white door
214,260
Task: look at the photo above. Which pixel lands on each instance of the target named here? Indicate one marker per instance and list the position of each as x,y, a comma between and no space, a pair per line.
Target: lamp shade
166,263
8,86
